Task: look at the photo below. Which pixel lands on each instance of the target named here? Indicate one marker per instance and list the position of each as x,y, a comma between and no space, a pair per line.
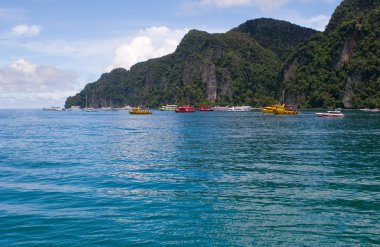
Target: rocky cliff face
232,68
341,66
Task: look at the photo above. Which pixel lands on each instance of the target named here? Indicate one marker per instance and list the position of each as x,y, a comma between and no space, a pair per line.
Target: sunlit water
202,179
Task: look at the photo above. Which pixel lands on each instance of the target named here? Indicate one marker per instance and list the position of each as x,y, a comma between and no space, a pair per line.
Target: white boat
125,108
105,108
90,109
221,108
53,108
370,110
168,107
75,107
240,108
330,114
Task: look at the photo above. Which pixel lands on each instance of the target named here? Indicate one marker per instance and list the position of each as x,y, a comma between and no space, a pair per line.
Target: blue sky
50,49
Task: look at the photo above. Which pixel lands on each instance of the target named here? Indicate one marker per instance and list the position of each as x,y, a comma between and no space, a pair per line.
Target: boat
74,107
335,113
125,108
53,108
240,108
168,107
185,109
221,108
108,109
286,110
89,109
270,109
138,110
205,108
370,110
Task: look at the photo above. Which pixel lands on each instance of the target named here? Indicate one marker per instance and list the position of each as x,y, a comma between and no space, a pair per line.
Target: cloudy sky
50,49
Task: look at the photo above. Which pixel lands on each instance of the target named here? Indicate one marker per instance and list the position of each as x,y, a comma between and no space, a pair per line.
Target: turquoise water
202,179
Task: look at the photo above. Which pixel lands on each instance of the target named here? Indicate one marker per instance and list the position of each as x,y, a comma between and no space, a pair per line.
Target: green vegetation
341,67
281,37
255,63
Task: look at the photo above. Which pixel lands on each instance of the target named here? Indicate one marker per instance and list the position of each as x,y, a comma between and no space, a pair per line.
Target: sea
75,178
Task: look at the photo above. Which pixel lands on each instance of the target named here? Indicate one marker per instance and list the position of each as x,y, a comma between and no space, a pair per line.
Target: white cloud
318,22
150,43
26,30
25,80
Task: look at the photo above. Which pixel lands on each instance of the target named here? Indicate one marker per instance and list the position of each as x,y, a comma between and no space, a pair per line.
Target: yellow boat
270,109
138,110
286,110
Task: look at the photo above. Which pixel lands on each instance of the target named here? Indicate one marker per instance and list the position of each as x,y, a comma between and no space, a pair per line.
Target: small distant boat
270,109
125,108
53,108
240,108
286,110
90,109
168,107
105,108
205,108
138,110
221,108
185,109
335,113
371,110
74,107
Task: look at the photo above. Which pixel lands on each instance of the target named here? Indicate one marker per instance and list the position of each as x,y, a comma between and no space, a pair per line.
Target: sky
50,49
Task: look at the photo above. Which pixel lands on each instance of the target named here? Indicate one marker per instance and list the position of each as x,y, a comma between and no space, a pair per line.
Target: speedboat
370,110
240,108
335,113
185,109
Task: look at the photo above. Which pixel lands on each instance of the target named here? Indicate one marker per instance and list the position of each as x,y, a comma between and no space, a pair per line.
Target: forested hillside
340,67
236,67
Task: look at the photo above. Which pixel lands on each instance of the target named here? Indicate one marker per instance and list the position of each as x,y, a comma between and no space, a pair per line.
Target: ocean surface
204,179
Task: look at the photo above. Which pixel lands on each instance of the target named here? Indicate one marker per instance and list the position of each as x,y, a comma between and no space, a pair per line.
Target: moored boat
168,107
270,109
286,110
53,108
335,113
138,110
205,108
240,108
221,108
370,110
185,109
90,109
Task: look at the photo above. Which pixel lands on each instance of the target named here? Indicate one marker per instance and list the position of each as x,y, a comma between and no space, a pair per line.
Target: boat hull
285,112
332,115
185,109
139,111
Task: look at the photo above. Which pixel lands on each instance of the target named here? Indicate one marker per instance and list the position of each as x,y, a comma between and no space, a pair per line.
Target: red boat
205,108
185,109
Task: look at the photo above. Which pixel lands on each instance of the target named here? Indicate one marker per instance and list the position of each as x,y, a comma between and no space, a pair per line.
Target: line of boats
277,109
189,108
